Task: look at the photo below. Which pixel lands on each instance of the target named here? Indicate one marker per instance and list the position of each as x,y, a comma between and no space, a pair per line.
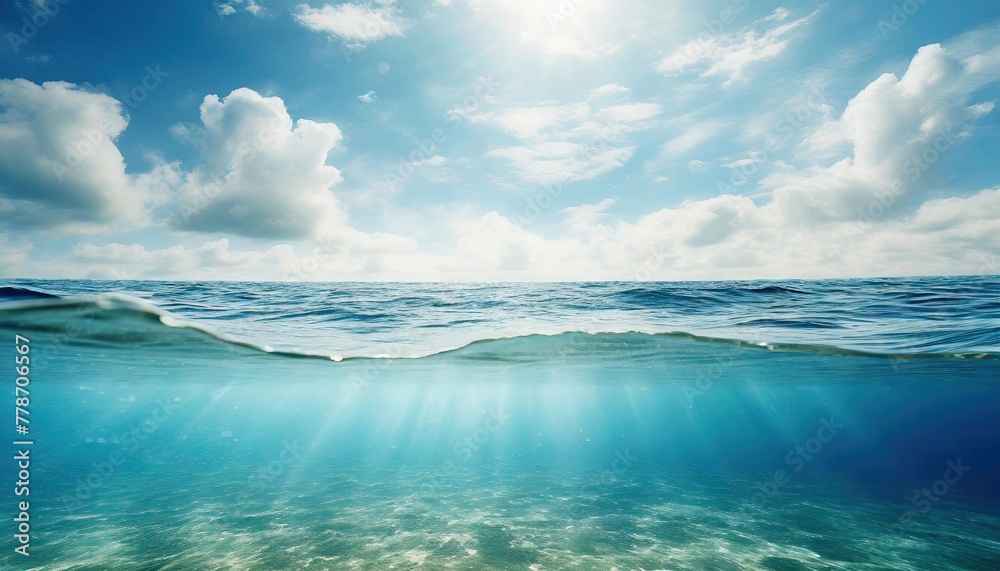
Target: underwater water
792,425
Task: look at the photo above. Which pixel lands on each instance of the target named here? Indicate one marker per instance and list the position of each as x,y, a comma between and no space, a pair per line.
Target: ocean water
781,425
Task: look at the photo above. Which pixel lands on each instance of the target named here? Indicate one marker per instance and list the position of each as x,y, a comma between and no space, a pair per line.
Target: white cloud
586,215
629,113
530,122
261,176
730,55
739,163
355,24
280,188
550,46
893,132
779,15
434,161
60,166
729,236
566,143
367,97
692,138
562,162
212,260
719,238
251,6
13,259
609,90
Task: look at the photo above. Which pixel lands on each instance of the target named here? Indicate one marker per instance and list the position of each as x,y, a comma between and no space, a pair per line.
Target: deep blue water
843,424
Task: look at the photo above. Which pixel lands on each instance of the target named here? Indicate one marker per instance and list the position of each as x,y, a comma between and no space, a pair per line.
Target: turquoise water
847,424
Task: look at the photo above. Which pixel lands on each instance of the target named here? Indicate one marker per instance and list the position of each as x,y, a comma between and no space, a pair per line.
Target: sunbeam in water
747,425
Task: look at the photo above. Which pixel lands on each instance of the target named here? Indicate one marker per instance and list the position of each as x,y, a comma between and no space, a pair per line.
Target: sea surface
776,425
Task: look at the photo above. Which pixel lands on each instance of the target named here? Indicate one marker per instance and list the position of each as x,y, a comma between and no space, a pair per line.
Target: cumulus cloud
729,55
261,175
832,210
718,238
355,24
60,166
892,133
729,236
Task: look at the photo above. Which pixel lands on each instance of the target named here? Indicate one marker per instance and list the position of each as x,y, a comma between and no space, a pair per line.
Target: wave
111,320
10,293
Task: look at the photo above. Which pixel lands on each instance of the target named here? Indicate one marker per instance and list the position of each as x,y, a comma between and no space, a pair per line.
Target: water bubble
383,68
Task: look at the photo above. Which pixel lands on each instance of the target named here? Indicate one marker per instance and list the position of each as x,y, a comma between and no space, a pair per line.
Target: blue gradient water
849,424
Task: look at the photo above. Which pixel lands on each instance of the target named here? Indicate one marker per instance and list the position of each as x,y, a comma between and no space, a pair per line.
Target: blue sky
475,140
